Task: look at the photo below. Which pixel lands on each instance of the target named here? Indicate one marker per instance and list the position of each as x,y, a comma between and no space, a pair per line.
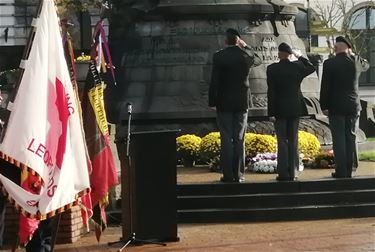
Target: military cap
284,47
344,40
233,31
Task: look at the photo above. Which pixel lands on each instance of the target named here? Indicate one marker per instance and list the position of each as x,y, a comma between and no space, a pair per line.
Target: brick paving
346,235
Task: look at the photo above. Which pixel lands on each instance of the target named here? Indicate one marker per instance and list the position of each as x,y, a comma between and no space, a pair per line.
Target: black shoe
278,178
226,180
334,175
240,179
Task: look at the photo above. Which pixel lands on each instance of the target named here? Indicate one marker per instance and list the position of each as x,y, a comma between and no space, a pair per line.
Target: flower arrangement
267,163
257,143
324,159
214,164
258,148
188,146
210,147
308,144
264,163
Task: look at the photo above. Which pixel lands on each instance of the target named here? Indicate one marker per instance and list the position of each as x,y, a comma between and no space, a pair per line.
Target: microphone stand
132,238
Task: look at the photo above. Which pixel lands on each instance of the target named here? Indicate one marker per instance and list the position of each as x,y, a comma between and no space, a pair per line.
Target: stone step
263,200
276,201
310,212
362,183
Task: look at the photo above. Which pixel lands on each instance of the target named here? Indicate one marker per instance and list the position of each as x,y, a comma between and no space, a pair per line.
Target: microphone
129,107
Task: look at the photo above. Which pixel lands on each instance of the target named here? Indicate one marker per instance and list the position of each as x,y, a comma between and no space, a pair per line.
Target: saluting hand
297,53
241,43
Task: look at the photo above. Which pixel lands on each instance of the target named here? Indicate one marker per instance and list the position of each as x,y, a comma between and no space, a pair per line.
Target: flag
43,136
85,201
31,182
103,175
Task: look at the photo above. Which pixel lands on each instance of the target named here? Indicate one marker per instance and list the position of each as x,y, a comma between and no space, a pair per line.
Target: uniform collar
342,54
284,60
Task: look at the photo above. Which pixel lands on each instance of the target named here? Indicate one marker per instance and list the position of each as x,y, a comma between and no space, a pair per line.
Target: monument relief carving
171,48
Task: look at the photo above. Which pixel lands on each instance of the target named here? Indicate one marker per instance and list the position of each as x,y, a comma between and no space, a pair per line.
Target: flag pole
25,56
47,67
11,99
55,232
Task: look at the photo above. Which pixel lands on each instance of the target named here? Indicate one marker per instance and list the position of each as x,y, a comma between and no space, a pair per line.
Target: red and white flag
44,134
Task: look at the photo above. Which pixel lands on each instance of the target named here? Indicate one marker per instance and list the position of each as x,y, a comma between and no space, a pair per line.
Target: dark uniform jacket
284,87
339,89
230,88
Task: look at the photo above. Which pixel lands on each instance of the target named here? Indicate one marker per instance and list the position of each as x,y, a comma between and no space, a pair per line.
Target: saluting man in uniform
339,99
229,94
286,105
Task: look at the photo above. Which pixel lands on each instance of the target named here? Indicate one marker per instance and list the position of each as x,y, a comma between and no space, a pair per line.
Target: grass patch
371,139
367,156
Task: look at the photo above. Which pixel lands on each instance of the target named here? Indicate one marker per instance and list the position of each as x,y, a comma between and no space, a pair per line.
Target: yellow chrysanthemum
308,144
210,146
257,143
188,145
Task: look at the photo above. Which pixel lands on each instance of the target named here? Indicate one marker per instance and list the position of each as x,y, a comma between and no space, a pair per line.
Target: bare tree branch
335,13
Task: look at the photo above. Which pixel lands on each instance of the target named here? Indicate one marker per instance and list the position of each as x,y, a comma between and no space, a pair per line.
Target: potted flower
209,151
264,163
324,159
259,143
82,65
188,148
308,144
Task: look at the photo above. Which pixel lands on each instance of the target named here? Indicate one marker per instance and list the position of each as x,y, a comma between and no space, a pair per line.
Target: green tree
77,5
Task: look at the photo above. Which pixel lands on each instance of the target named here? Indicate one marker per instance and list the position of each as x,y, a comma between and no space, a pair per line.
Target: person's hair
283,55
231,38
341,47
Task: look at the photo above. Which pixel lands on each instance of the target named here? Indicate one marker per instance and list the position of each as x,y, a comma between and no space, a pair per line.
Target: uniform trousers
345,148
232,126
287,147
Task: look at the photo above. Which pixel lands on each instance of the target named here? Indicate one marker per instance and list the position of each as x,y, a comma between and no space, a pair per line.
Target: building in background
15,22
330,18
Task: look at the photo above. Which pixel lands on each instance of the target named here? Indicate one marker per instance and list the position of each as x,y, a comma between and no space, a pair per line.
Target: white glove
241,43
297,53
